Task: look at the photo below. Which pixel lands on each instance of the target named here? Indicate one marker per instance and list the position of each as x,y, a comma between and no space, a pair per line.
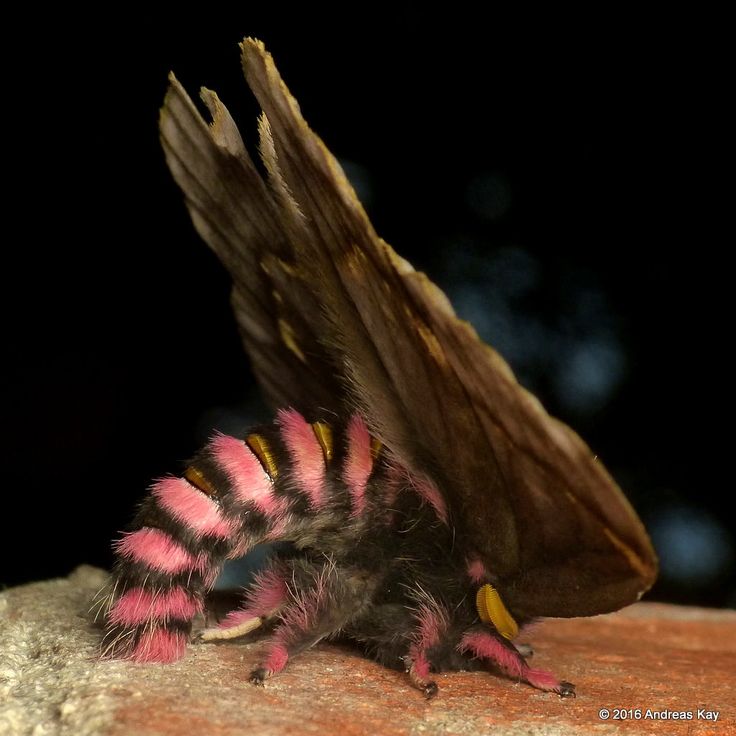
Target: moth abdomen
290,480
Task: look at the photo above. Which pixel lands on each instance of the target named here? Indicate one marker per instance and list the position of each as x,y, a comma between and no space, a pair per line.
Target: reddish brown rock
654,657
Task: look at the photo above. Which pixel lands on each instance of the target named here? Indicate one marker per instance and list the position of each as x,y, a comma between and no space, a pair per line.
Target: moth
433,507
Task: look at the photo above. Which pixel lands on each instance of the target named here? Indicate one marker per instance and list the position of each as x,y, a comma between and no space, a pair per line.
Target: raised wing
246,224
333,318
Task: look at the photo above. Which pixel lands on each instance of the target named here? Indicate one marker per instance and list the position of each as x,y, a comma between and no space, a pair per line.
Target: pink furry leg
419,674
431,624
265,597
493,648
321,601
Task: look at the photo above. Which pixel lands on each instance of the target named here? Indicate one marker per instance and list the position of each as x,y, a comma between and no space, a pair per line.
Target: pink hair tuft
191,507
430,493
266,596
159,551
359,462
250,481
159,645
306,454
277,658
476,570
432,622
542,680
138,606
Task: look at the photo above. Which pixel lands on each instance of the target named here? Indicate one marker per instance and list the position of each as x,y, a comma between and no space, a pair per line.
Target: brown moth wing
524,492
243,221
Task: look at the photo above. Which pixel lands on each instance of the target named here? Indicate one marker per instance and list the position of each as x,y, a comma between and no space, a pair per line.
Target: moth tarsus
567,690
430,690
433,508
427,687
259,676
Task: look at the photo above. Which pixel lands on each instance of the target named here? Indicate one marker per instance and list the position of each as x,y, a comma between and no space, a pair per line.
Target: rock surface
650,656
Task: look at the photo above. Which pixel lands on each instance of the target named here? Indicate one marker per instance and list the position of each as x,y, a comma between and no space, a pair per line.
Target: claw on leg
418,670
259,676
276,660
543,680
489,646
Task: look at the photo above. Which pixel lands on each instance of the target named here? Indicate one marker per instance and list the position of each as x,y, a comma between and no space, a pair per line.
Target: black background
607,136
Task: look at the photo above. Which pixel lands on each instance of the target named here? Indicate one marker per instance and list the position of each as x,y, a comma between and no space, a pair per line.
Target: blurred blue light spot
589,373
694,547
